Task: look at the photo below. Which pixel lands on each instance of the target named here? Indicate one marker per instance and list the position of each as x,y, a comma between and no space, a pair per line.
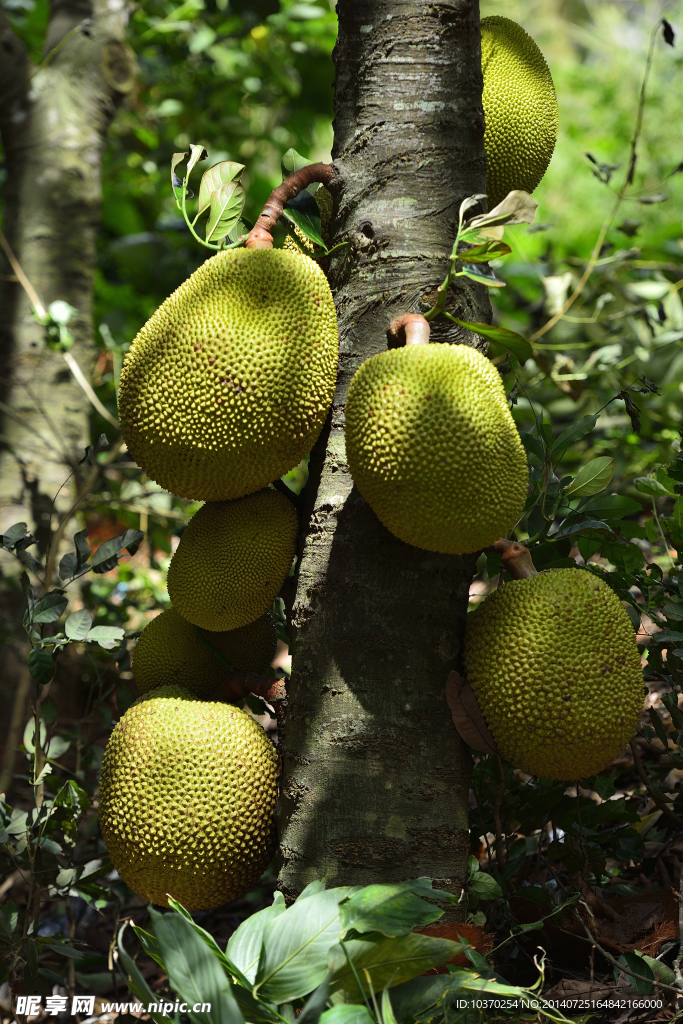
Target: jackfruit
520,109
433,449
232,560
228,384
169,652
187,794
554,665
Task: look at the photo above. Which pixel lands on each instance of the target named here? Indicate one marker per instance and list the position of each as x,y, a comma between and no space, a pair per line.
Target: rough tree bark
53,122
375,782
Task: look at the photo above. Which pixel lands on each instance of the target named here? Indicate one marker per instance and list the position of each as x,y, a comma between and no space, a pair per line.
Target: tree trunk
376,780
53,122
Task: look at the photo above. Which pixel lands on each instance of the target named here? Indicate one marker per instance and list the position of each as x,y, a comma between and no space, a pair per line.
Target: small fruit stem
260,236
516,558
411,329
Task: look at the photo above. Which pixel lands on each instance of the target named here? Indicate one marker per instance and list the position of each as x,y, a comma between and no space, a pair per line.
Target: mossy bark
53,123
375,783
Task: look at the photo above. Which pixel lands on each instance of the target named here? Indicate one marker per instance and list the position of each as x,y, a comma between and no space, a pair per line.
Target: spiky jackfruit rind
187,795
554,664
170,653
433,449
520,109
232,560
228,384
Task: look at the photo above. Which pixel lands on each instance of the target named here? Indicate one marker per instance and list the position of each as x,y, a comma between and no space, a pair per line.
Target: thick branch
260,236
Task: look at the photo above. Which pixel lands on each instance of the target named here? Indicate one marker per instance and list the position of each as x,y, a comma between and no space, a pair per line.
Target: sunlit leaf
226,206
508,340
213,180
592,477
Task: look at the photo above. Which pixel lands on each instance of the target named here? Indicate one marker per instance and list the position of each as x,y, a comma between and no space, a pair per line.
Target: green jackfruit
433,449
187,794
232,560
554,664
520,109
169,652
228,384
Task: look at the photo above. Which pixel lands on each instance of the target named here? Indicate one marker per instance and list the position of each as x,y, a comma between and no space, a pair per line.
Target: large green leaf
592,477
611,506
213,180
389,961
211,943
50,607
227,204
194,973
244,947
137,984
391,909
296,943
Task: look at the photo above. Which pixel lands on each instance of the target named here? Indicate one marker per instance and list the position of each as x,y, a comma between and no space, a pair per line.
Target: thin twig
672,818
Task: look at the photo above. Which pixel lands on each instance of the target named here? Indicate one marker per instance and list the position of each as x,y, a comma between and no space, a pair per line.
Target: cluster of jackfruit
224,390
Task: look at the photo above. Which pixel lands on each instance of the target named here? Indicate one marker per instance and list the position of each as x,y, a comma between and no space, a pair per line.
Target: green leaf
68,951
75,562
137,984
592,477
176,181
106,636
227,204
41,666
510,341
391,909
654,488
224,173
211,943
244,947
29,734
107,555
484,886
50,607
534,445
579,526
344,1013
49,845
482,275
611,506
303,212
13,534
635,962
18,823
78,624
295,945
489,250
389,961
291,162
315,1004
194,973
